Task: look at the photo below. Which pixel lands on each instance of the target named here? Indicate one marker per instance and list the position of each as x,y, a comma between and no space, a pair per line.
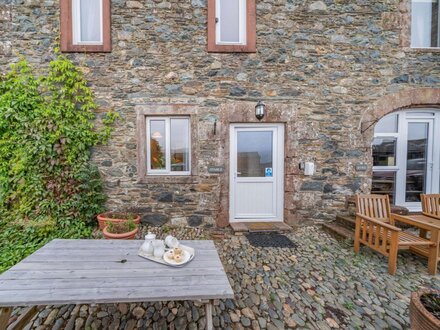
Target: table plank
92,271
114,257
90,282
101,244
112,295
107,265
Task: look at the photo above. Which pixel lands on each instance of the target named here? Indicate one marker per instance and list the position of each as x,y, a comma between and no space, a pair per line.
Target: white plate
168,257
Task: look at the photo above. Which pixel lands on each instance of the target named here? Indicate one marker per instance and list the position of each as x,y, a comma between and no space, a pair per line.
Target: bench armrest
378,222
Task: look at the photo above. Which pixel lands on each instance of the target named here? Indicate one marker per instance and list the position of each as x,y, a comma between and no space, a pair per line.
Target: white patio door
256,172
406,156
416,162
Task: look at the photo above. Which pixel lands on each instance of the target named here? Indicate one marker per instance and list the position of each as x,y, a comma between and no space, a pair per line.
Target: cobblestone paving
321,284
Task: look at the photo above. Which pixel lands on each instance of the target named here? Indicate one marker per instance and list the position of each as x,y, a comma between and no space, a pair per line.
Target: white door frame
402,162
432,175
278,167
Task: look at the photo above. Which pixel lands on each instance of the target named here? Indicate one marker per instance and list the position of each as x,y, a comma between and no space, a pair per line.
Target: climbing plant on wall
48,187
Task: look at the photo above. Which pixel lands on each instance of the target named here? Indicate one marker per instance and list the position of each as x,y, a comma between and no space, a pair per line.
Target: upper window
425,19
168,146
231,25
231,22
85,26
87,22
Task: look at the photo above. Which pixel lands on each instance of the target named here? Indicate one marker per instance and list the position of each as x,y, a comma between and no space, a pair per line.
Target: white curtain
229,20
90,18
421,22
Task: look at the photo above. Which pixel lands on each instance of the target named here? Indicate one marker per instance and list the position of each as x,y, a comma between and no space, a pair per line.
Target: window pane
179,145
425,23
384,183
157,145
416,161
90,18
229,21
387,124
254,154
384,152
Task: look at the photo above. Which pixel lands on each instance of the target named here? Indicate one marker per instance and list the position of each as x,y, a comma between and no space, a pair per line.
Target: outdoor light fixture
260,110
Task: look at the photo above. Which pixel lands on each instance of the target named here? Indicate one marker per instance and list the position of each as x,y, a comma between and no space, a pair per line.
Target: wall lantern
260,110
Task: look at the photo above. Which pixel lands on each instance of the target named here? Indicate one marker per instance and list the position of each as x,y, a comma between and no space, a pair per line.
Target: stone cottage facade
327,71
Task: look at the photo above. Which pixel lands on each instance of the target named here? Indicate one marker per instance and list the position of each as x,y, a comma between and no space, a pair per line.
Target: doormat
261,226
270,240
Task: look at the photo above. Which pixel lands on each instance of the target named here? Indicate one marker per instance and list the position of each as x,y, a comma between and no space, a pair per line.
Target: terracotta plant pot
128,235
103,218
420,317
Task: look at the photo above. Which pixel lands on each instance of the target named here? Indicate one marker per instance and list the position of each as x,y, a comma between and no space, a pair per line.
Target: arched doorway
406,155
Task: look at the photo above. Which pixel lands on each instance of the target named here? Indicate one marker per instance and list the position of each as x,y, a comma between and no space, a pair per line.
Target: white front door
256,172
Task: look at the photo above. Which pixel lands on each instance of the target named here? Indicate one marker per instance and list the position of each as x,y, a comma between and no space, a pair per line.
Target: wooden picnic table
110,271
425,224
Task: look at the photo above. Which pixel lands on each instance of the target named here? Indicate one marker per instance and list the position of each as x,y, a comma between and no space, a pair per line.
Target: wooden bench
375,228
110,271
431,205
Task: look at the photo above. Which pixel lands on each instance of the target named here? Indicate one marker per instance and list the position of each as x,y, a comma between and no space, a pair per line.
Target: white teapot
147,246
158,248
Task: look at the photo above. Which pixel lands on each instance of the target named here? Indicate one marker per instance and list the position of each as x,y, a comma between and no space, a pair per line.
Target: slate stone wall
319,66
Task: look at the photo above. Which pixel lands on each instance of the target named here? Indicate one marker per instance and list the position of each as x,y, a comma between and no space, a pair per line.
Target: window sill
168,179
422,50
170,174
86,49
222,48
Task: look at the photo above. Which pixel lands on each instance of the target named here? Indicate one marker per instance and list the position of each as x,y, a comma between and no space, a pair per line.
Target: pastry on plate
178,258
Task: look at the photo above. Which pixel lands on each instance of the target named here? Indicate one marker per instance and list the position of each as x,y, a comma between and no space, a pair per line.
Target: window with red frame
231,26
85,25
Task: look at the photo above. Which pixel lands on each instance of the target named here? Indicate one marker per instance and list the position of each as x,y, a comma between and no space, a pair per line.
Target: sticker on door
268,172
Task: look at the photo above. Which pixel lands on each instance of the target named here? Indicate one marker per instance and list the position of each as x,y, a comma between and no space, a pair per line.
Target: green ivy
48,188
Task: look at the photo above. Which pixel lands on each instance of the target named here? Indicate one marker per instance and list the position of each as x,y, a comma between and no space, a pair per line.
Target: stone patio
321,284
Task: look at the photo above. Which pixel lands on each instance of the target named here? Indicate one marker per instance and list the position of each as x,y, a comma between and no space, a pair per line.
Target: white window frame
242,24
411,26
432,176
392,168
76,25
167,170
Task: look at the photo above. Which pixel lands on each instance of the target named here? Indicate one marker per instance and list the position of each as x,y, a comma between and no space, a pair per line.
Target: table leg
25,317
5,314
433,253
208,310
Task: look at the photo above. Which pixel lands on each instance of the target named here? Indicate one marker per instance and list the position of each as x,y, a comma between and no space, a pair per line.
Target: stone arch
412,98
